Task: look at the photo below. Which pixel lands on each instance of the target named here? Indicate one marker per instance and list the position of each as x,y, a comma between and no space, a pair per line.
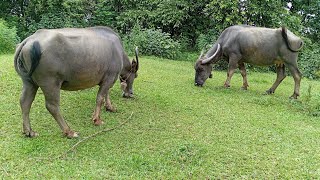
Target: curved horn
205,61
201,54
137,58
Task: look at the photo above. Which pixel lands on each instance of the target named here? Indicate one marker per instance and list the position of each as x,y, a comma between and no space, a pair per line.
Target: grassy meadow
174,130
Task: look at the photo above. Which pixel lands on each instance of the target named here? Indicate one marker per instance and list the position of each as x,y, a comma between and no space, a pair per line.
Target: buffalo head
203,66
128,77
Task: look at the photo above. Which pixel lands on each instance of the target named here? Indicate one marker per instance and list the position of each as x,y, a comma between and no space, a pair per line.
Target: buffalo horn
205,61
201,54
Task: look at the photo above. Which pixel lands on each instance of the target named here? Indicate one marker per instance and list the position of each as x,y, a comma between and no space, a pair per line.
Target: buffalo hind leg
243,72
99,100
108,104
296,74
103,92
281,74
52,100
29,92
233,63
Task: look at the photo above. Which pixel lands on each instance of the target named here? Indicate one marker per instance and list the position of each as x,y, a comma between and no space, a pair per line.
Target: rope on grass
93,135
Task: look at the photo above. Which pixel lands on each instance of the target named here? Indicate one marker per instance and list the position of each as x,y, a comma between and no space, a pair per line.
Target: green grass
177,130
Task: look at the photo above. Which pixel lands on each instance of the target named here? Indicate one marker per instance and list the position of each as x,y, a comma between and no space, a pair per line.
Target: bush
152,42
205,41
309,61
8,38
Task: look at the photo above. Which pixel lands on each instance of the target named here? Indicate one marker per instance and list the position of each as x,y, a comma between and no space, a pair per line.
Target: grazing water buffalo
72,59
253,45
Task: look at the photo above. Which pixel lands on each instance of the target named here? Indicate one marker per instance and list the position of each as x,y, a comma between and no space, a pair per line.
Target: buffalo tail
19,61
285,37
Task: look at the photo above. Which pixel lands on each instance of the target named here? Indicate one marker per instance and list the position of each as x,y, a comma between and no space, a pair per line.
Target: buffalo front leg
243,72
281,74
229,76
233,63
296,74
52,100
29,91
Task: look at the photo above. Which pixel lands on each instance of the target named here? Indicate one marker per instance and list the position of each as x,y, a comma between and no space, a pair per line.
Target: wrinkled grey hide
253,45
71,59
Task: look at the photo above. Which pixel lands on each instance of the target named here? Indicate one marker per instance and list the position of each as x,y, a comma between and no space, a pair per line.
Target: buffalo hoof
127,95
269,91
244,88
111,109
71,134
31,134
98,122
294,96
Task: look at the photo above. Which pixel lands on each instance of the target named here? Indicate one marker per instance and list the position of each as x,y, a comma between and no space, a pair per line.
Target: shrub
309,61
205,41
8,38
152,42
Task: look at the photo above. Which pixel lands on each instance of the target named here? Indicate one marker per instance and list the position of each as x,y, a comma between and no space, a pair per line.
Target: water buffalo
72,59
253,45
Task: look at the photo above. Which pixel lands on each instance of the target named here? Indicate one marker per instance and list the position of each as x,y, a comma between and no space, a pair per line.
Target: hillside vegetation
174,130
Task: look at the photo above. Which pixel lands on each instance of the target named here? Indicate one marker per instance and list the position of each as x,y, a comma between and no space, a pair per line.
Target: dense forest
166,28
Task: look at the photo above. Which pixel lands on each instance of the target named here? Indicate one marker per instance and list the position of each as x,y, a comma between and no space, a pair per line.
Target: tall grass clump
152,42
8,38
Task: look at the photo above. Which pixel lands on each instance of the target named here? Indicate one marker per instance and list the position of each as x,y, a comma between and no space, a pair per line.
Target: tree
8,38
309,11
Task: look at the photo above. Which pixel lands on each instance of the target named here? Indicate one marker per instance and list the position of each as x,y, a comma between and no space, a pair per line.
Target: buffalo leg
280,77
108,104
232,66
103,92
297,79
99,100
28,94
243,72
52,98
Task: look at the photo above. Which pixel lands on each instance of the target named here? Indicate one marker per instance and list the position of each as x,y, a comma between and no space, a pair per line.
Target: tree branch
93,135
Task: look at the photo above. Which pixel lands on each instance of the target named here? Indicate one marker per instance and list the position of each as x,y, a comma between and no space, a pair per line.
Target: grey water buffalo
253,45
72,59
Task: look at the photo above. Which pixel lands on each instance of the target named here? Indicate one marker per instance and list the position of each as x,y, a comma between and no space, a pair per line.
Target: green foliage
205,41
104,15
49,21
264,13
152,42
194,24
225,13
309,13
8,38
309,60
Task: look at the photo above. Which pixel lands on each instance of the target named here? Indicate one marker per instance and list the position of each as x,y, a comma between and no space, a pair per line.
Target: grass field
174,130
